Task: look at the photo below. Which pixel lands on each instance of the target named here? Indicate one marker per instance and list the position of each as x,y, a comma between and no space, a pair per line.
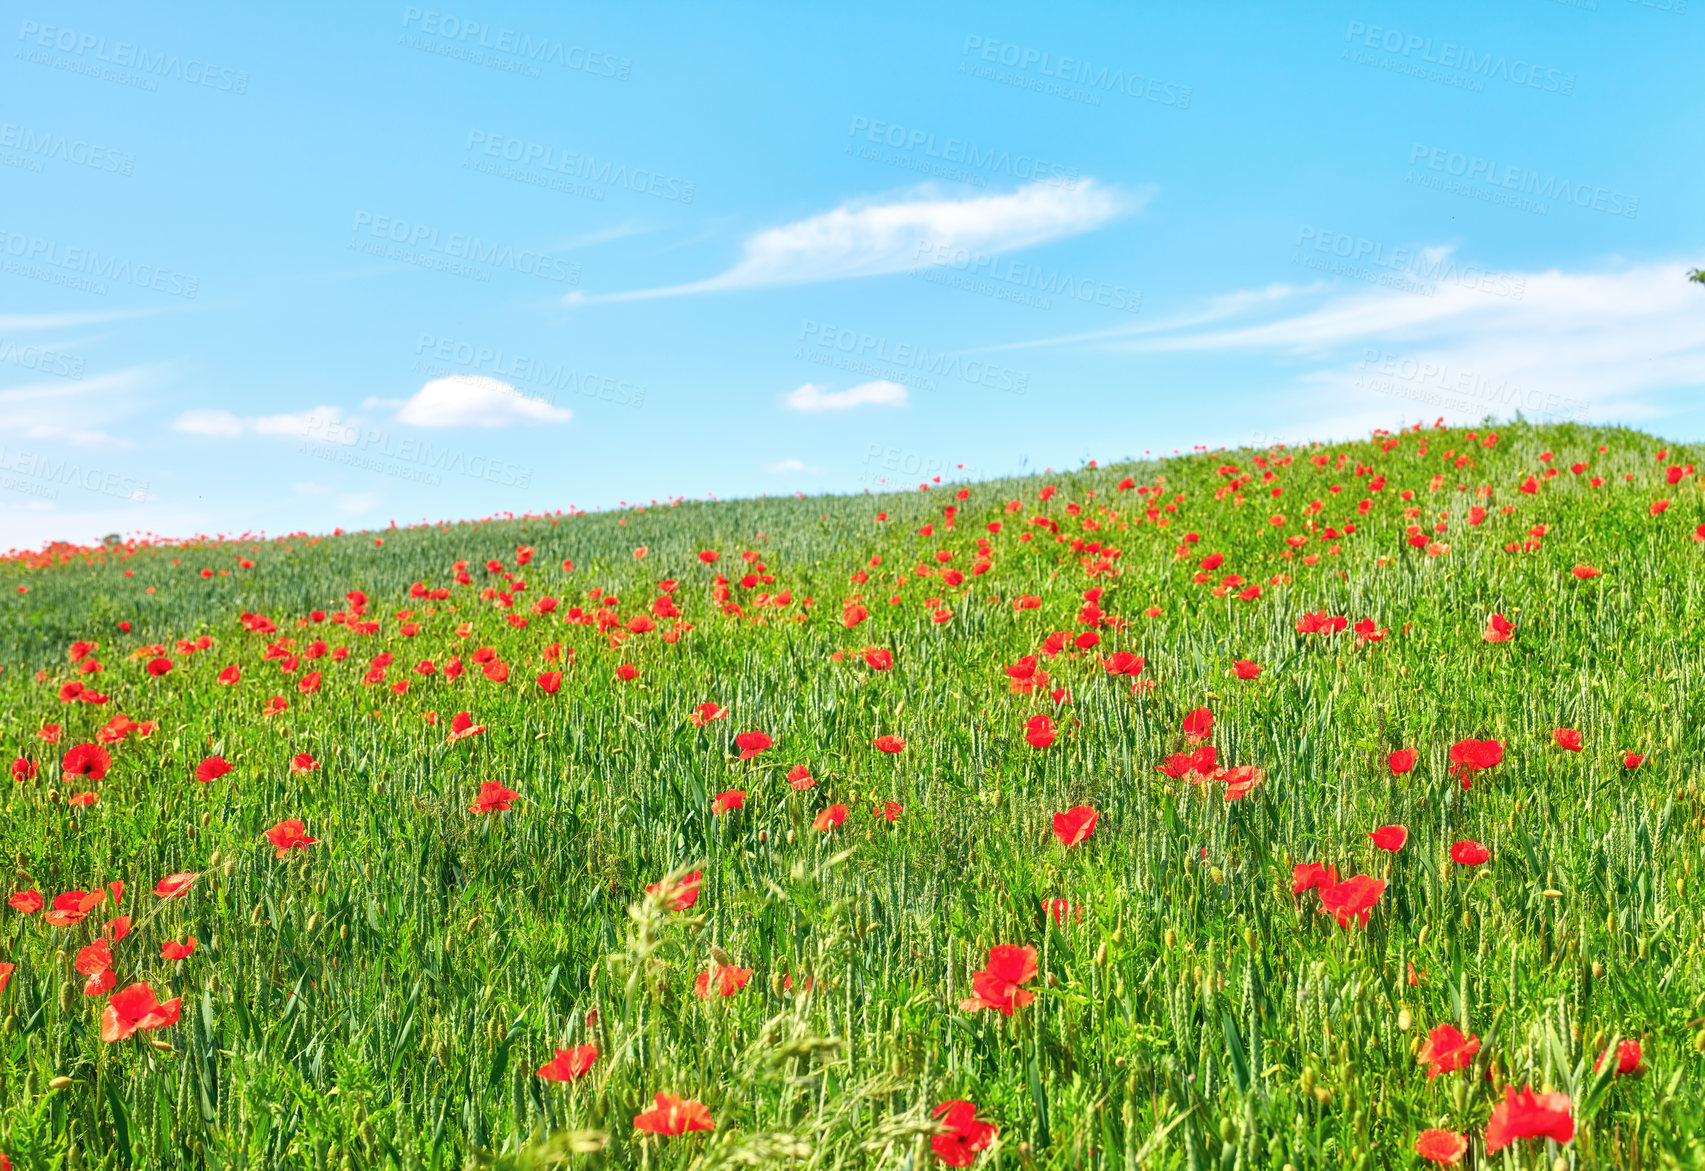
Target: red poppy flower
277,703
627,672
966,1134
889,744
800,777
134,1009
1312,874
100,983
680,895
51,733
493,798
290,835
705,713
27,901
889,812
670,1115
117,927
1246,669
1321,623
1585,572
159,666
1390,837
1352,900
829,818
728,980
74,906
307,685
97,957
303,763
87,760
462,726
1468,757
1441,1146
1075,824
212,769
1241,780
178,951
1447,1049
728,800
80,799
230,675
1198,725
1123,663
1401,761
1628,1059
997,985
6,971
1498,629
751,744
550,682
1195,765
1039,731
1529,1115
1469,852
1060,909
175,885
569,1064
1567,738
1632,760
878,658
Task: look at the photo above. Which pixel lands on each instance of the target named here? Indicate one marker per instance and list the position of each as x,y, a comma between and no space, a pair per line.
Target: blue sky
294,270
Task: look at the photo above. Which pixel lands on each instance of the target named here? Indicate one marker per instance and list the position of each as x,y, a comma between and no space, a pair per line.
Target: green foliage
382,998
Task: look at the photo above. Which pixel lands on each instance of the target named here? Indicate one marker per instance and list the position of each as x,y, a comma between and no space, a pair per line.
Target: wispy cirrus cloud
1605,342
872,237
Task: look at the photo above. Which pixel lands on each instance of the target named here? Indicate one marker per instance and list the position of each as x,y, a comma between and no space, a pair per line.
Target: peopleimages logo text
79,152
580,166
1423,264
1027,275
126,55
1526,180
463,247
962,152
1414,47
86,268
478,34
1077,71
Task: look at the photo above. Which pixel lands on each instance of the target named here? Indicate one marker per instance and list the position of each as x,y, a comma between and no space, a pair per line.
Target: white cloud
319,423
472,401
77,436
788,465
1585,344
59,410
219,424
869,238
814,399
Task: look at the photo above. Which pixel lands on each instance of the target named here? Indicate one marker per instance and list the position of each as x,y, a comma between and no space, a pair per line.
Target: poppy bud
206,817
1228,1131
1308,1076
59,1083
229,867
1171,939
1249,938
1101,955
1405,1019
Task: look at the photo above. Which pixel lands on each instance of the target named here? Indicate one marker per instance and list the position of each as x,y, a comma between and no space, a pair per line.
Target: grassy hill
1056,655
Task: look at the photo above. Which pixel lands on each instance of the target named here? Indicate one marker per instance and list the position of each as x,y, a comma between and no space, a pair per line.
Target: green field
385,995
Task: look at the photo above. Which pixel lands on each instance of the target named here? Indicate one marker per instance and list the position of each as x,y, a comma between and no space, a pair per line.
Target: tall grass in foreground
385,996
